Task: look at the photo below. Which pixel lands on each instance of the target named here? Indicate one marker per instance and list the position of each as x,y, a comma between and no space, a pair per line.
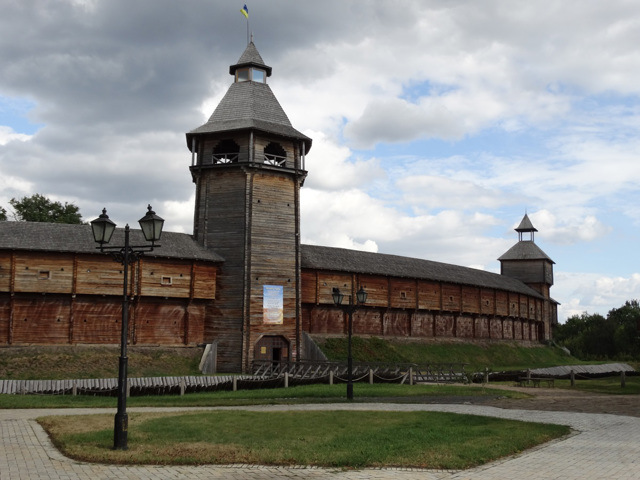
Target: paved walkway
603,447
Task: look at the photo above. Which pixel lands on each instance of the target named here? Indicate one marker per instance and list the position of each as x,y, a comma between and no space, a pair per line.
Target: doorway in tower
274,348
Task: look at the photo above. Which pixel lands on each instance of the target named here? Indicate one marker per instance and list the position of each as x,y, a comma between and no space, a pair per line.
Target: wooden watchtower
527,262
248,164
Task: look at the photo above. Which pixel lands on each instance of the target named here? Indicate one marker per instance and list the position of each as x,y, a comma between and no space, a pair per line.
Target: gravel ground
562,400
544,399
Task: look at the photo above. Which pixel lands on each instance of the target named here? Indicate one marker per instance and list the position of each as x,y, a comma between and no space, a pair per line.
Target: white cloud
178,216
426,192
569,230
593,293
8,135
332,166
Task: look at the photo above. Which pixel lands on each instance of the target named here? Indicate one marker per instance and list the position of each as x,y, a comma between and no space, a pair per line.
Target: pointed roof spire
526,225
250,58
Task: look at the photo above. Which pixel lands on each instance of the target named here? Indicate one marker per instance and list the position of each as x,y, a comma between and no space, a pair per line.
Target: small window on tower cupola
257,75
242,75
250,74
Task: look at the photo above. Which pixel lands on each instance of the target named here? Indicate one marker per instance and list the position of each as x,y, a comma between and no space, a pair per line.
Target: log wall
416,308
273,244
221,220
57,298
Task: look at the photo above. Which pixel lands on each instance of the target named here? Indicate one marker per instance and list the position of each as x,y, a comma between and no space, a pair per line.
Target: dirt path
562,400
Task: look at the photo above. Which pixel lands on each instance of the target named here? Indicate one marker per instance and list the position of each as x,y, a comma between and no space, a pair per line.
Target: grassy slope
60,362
57,362
495,356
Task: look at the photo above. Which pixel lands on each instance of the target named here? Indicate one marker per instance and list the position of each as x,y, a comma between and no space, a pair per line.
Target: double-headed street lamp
361,297
103,229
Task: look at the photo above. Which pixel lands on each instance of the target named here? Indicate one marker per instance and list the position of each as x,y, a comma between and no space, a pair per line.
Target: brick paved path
603,447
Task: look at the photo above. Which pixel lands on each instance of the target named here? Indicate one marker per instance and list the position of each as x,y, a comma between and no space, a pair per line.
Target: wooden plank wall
221,212
273,247
56,298
62,319
99,275
417,308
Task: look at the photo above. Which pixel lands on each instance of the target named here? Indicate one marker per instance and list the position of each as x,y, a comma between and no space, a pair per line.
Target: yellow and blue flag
245,11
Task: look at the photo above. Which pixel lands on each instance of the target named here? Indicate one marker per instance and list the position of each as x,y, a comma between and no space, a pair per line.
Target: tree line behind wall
38,208
594,337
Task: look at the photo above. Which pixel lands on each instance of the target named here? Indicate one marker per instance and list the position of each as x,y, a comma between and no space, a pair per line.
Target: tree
3,214
586,336
38,208
626,320
595,337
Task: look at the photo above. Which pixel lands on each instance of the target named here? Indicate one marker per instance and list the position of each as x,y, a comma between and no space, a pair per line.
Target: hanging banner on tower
272,304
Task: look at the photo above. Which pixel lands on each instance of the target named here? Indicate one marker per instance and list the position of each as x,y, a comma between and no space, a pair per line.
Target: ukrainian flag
245,11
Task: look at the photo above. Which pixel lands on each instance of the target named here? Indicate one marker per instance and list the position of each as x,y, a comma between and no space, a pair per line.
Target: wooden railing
275,160
223,158
266,374
382,372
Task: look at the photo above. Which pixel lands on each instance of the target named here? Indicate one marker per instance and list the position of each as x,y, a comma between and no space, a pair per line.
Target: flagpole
245,11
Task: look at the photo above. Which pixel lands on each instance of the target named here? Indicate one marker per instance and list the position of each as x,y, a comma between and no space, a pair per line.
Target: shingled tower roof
526,225
250,105
525,249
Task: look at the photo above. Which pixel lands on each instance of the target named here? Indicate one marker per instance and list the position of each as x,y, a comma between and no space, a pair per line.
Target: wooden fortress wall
418,308
54,298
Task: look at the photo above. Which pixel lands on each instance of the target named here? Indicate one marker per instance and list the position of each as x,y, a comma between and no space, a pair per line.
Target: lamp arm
119,254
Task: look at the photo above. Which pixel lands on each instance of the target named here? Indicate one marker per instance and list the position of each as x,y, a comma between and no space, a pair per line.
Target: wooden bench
534,382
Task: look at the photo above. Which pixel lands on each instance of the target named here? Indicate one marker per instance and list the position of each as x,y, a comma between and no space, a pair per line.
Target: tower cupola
250,67
527,262
525,227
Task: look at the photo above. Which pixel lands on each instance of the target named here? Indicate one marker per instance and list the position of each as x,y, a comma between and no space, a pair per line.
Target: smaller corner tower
527,262
248,165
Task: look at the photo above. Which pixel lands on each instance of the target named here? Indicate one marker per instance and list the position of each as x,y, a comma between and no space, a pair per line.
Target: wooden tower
529,264
248,167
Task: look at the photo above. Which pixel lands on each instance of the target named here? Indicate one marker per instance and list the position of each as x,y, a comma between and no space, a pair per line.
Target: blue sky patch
14,113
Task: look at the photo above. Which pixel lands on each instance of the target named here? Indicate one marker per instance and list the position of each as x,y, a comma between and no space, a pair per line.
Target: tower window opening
227,151
275,155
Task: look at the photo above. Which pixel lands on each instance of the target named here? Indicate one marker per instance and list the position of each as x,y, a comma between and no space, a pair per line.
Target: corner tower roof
525,249
526,225
249,105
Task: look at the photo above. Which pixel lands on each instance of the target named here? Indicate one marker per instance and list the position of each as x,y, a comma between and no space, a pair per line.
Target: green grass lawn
338,439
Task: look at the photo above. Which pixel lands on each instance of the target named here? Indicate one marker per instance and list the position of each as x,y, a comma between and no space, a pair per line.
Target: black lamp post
103,229
361,297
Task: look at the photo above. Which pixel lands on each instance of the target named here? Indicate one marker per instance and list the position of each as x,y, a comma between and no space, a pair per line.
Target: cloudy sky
436,124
